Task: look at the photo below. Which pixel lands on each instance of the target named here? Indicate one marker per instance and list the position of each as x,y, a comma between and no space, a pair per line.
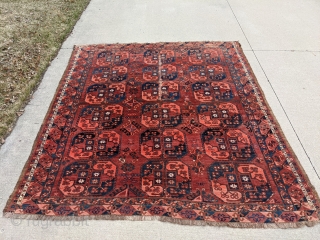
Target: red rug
179,132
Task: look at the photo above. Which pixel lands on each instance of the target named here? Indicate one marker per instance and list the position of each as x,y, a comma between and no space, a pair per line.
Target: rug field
178,132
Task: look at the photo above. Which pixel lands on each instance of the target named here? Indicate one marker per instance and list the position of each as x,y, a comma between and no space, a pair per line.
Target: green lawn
31,33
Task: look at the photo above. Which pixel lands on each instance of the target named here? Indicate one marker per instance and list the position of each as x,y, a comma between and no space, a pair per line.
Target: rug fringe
278,225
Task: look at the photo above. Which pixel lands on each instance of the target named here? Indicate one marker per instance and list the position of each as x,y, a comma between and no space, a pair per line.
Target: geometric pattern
180,132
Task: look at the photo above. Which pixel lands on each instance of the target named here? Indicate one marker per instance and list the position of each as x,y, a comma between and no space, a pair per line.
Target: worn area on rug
179,132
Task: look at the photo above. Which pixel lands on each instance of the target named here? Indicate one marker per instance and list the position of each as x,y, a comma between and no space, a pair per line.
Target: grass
31,33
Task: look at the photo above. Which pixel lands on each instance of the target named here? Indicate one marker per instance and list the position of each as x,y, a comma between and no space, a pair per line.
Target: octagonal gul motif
150,73
239,182
170,91
169,143
115,74
104,58
150,91
218,115
92,117
167,56
169,72
202,92
198,72
116,93
151,57
86,179
222,91
209,72
230,144
211,56
216,73
101,93
101,74
171,178
118,74
195,56
166,115
121,58
96,94
86,145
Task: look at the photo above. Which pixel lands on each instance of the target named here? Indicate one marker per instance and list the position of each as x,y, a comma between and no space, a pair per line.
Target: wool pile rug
179,132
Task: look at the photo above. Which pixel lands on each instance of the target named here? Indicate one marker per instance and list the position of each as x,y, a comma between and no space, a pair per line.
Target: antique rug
178,132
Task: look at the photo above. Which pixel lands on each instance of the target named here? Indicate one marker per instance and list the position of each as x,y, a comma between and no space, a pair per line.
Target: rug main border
255,85
280,137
